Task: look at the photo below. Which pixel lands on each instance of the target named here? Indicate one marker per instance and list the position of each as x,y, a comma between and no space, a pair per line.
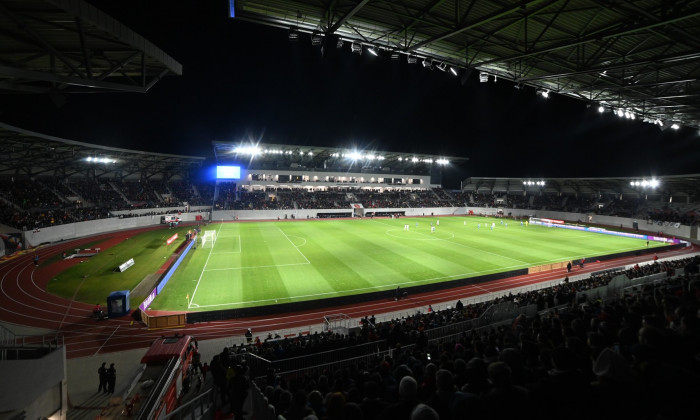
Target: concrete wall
37,386
94,227
228,215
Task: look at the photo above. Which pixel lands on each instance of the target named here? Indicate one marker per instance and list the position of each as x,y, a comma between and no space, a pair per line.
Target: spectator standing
205,369
102,373
111,378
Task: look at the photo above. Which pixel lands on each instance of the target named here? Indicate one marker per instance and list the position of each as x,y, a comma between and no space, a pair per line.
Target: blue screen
228,172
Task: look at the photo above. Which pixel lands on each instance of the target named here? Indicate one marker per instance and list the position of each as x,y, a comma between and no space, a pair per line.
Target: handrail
203,401
6,336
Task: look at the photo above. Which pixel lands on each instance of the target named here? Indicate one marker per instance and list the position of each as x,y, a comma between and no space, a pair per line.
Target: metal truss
641,57
69,46
29,154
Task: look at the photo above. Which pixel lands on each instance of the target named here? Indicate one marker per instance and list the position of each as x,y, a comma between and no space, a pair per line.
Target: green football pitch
267,263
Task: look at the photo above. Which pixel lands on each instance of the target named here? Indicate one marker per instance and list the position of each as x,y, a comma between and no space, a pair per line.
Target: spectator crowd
636,356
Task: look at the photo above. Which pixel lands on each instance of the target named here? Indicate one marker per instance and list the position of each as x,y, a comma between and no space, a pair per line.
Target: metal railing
16,347
195,408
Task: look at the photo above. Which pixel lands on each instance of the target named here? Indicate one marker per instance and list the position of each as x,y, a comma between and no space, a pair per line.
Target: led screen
228,172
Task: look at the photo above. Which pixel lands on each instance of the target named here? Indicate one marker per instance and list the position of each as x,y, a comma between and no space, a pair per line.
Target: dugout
118,303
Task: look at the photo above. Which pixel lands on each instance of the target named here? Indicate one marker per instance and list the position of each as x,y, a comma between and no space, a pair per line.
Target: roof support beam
592,38
74,81
84,48
493,16
347,16
658,61
39,40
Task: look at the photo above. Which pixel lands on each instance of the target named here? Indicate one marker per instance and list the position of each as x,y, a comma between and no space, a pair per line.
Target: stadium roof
32,154
679,186
640,57
280,156
69,46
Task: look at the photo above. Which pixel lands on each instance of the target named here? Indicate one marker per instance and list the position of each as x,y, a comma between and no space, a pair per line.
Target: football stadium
298,278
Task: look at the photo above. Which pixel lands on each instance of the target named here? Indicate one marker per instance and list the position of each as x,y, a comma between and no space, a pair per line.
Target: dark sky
242,80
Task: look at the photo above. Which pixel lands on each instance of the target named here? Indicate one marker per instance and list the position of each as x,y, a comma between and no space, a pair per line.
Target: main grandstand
617,329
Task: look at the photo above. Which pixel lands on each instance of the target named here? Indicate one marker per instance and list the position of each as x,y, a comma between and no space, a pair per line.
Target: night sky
246,81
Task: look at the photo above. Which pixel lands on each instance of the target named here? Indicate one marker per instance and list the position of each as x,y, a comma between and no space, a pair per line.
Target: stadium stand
583,353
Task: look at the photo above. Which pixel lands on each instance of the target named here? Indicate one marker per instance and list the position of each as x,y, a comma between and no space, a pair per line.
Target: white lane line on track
110,336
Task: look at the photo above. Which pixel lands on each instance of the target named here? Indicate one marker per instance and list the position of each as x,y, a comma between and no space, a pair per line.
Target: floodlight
248,150
442,66
414,160
483,77
675,126
453,71
412,59
395,55
372,51
427,64
654,183
316,38
442,161
356,48
293,33
620,113
601,109
354,155
543,92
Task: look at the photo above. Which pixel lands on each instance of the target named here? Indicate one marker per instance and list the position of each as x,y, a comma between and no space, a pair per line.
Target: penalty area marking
296,247
238,242
300,237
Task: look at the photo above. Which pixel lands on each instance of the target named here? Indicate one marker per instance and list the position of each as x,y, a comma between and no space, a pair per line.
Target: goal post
208,238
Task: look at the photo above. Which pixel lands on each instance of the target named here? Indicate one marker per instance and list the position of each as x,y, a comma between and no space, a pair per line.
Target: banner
171,239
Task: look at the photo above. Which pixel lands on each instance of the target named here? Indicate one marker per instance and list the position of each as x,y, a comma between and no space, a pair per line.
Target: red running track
25,301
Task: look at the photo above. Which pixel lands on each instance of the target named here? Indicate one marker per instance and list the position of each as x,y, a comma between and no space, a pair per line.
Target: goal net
208,238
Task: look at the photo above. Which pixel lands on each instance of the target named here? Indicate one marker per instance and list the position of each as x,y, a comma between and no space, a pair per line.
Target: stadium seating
635,356
37,203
